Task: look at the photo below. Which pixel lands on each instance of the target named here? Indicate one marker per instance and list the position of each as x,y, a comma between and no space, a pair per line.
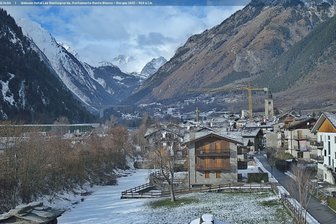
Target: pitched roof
202,135
331,117
304,123
151,131
251,132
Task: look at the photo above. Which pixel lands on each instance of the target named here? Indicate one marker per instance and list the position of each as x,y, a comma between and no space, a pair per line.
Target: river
105,205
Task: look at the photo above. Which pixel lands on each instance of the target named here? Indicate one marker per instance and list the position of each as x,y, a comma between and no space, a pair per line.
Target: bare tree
11,137
162,156
138,136
165,162
301,188
32,164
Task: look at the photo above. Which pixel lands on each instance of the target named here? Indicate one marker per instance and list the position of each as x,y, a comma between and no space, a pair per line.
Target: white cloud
102,33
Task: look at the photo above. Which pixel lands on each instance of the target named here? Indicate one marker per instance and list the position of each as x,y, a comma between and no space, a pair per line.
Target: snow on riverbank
105,205
230,207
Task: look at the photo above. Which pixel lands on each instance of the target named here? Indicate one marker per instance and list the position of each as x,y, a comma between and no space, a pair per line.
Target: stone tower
269,108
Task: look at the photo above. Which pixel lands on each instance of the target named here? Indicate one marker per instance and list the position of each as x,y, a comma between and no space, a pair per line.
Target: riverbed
105,205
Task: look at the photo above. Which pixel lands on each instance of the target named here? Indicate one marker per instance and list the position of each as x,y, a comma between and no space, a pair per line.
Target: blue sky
102,33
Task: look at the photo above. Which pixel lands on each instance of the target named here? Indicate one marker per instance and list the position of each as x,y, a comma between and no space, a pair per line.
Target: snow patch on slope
58,58
22,94
152,66
118,78
6,93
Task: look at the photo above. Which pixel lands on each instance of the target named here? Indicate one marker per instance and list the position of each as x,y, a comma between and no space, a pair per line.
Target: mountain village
226,151
238,126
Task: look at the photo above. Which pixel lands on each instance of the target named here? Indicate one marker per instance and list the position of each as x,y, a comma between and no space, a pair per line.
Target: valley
199,103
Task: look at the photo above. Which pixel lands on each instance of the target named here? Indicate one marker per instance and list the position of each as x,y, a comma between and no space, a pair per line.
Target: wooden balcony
213,153
203,168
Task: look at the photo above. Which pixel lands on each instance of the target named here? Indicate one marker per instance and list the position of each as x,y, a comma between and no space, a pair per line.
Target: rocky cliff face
30,90
96,87
237,50
304,76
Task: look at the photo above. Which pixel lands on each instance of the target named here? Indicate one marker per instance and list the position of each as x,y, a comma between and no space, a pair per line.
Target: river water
105,205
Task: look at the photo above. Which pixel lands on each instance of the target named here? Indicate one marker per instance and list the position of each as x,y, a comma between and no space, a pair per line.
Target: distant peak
68,48
152,66
106,63
123,59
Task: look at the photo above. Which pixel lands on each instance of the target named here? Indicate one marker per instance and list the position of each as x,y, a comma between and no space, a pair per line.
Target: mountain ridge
30,91
234,51
95,91
306,69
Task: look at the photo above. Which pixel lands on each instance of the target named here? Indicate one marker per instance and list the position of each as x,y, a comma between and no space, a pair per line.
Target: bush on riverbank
33,166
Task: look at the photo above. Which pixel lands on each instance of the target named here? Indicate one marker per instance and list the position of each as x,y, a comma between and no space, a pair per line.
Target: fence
139,192
294,207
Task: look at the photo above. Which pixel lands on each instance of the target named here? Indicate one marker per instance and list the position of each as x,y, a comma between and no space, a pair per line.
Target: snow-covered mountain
69,49
151,67
96,89
29,89
125,63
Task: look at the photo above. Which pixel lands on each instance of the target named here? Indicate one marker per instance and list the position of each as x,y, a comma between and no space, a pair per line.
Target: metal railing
230,187
137,189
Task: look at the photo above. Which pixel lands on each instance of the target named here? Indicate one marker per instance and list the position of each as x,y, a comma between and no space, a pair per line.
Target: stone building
212,158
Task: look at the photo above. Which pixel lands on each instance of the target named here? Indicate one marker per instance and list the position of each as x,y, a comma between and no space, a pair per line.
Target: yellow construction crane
249,92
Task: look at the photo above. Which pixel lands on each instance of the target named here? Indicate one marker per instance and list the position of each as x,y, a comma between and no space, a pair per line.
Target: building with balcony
161,136
253,138
325,128
212,158
300,140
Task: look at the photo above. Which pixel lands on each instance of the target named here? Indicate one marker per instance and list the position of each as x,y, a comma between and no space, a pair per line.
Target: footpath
317,212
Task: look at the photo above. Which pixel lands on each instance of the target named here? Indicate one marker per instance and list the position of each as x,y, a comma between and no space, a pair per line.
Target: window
217,147
300,154
206,148
328,137
329,161
207,175
328,148
218,174
325,152
335,139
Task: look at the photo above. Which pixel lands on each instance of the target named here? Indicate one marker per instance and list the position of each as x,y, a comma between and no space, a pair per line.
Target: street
321,213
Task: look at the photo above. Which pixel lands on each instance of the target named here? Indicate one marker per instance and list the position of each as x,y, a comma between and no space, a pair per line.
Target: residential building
161,136
299,139
326,134
212,158
288,117
253,138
